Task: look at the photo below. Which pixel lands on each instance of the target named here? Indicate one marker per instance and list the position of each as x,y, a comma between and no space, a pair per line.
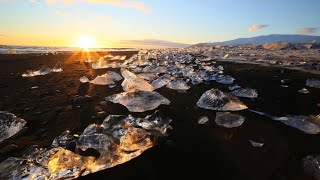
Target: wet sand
191,150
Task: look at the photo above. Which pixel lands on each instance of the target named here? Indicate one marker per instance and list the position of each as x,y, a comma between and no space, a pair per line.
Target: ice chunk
178,85
245,92
161,81
57,68
132,83
228,120
234,87
139,101
84,79
225,79
256,144
148,76
311,165
41,72
107,78
203,119
315,83
117,140
9,125
303,91
308,124
215,99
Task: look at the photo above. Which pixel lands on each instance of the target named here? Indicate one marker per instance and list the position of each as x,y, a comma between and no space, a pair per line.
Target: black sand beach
191,150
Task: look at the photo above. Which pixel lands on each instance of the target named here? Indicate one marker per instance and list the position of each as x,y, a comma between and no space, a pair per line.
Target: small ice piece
256,144
178,85
228,120
234,87
9,125
57,68
315,83
84,79
215,99
41,72
140,101
34,87
225,79
303,91
148,76
132,83
161,81
107,78
203,120
226,56
245,92
311,165
308,124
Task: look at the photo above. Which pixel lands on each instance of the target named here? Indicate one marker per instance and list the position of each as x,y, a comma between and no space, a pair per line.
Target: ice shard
315,83
9,125
178,85
245,92
140,101
228,120
106,79
161,81
215,99
132,83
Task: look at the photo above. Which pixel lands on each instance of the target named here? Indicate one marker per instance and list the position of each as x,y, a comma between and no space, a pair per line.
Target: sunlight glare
86,42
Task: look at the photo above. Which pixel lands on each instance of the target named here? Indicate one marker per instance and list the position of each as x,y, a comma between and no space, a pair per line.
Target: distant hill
288,38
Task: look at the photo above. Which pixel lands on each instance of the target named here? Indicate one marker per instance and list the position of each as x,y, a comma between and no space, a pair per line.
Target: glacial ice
203,119
178,84
132,83
9,125
215,99
84,79
245,92
140,101
228,120
43,71
225,79
315,83
256,144
161,81
118,139
308,124
107,78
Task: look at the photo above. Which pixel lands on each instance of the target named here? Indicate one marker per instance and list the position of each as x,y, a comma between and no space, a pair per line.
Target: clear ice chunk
234,87
256,144
148,76
140,101
228,120
57,68
9,125
315,83
245,92
178,85
225,79
118,139
132,83
107,78
303,91
161,81
84,79
41,72
203,120
215,99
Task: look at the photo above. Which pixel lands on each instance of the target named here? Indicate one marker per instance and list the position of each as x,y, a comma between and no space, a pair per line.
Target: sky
151,23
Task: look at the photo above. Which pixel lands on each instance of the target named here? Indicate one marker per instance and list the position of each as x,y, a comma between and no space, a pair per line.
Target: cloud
135,4
61,13
150,43
307,31
103,19
34,1
257,27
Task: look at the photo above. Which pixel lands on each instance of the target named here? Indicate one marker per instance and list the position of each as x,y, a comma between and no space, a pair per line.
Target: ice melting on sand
133,83
215,99
203,120
106,79
228,120
256,144
43,71
315,83
140,101
117,140
161,81
84,79
246,92
9,125
178,85
308,124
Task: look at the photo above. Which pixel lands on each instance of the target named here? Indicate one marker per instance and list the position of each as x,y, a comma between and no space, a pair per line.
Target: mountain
288,38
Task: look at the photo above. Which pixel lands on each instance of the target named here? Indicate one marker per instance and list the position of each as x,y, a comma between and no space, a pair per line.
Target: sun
86,42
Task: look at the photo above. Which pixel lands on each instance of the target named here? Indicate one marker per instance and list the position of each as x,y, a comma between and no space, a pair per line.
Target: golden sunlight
86,42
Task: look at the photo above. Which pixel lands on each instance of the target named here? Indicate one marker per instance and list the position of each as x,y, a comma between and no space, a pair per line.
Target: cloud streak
257,27
307,31
135,4
151,43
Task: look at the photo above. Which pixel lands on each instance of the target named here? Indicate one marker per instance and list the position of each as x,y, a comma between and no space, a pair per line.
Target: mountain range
289,38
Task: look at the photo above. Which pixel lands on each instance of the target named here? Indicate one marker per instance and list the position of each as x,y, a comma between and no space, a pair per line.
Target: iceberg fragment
9,125
215,99
132,83
245,92
228,120
140,101
315,83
